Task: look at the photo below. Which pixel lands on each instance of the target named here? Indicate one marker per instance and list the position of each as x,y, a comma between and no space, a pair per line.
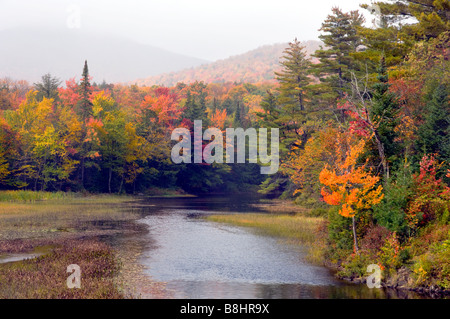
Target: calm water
202,259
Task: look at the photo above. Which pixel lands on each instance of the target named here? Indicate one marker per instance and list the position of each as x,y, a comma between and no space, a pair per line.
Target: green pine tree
434,134
292,98
293,78
85,104
384,111
341,41
84,110
196,103
431,17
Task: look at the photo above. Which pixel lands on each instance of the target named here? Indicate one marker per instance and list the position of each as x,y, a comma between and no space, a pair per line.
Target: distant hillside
254,66
29,53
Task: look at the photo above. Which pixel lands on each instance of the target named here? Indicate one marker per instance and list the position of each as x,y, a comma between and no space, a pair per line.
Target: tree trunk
109,179
341,84
300,95
354,235
384,162
82,172
120,187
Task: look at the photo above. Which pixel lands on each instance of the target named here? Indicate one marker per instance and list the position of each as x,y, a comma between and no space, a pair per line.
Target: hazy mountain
254,66
27,53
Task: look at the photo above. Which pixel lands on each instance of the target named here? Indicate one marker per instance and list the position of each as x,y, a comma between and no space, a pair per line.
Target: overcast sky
207,29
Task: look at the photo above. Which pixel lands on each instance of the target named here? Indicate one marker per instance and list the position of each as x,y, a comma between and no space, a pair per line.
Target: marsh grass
279,206
40,196
297,229
166,192
72,229
32,196
45,277
57,218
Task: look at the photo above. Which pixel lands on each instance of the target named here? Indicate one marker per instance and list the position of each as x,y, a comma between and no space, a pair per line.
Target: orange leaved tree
348,184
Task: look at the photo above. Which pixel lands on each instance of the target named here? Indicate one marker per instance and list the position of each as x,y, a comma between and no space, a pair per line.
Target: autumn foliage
431,194
348,184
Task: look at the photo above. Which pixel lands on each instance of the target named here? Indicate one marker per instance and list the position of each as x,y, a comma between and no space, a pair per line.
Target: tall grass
32,196
297,227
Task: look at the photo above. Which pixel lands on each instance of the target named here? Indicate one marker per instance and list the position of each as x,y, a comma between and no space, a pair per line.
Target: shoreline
399,281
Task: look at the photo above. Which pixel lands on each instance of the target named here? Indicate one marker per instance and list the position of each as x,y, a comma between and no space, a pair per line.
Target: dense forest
364,130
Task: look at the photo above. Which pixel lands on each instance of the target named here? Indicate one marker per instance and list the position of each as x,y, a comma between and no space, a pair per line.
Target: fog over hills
253,66
29,53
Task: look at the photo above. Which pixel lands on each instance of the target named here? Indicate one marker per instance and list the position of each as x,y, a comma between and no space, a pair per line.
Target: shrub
355,266
431,196
433,267
389,253
390,213
319,212
374,239
339,234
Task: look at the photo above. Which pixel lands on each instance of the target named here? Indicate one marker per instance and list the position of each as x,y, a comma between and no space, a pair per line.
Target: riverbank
298,225
73,229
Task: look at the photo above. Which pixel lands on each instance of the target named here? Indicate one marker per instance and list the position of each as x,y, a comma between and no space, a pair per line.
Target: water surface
203,259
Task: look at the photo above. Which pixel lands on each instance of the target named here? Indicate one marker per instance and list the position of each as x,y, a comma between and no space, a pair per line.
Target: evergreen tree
196,103
48,87
384,111
84,110
434,134
341,41
85,104
270,117
385,39
293,78
238,116
431,16
383,114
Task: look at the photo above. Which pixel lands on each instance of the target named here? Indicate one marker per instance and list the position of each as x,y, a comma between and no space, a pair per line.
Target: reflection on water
202,259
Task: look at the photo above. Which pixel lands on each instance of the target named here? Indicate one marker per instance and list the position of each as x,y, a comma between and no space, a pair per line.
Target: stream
197,258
